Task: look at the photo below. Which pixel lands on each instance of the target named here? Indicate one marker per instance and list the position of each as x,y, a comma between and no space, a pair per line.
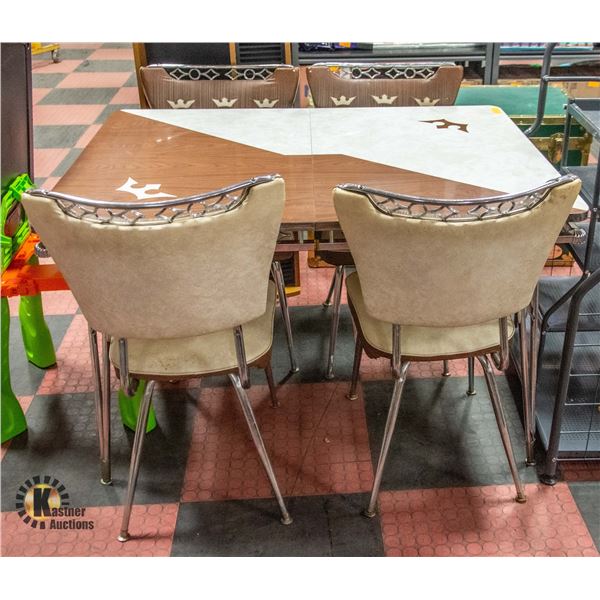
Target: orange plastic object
23,279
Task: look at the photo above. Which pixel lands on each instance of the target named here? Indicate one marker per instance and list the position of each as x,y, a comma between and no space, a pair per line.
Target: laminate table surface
444,152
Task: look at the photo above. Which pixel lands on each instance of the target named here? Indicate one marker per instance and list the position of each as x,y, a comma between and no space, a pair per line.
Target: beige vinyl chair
230,86
338,85
218,86
178,288
442,279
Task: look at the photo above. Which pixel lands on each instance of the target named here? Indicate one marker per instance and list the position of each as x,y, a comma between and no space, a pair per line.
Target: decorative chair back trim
384,84
217,86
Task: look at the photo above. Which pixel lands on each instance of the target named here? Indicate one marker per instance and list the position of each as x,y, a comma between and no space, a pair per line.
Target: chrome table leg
272,389
106,478
285,313
330,292
471,375
446,371
352,394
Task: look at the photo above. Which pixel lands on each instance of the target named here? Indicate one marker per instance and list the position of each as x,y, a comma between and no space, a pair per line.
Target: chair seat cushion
422,343
199,355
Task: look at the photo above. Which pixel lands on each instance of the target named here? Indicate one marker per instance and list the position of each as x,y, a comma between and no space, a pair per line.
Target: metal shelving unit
568,373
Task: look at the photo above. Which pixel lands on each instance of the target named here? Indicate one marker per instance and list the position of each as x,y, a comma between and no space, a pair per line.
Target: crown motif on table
266,103
343,101
427,101
224,102
385,99
141,193
181,103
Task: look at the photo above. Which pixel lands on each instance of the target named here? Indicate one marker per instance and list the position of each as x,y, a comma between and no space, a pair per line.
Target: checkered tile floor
447,489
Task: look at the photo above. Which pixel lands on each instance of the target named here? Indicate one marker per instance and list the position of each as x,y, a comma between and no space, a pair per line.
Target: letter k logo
41,507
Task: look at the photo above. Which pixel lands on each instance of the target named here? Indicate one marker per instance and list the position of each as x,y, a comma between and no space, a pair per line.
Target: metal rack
567,378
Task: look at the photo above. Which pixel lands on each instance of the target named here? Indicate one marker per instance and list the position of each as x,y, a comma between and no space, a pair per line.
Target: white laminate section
285,131
492,153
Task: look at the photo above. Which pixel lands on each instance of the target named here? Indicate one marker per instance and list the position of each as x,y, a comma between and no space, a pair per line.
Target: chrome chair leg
285,313
352,394
502,427
98,396
471,375
272,389
335,319
106,478
524,348
136,453
260,447
390,424
327,302
534,345
446,371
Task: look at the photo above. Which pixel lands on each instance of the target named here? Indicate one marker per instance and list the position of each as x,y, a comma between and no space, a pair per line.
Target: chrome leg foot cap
521,499
531,463
471,393
326,304
295,370
123,537
446,374
105,481
352,396
368,513
287,520
330,375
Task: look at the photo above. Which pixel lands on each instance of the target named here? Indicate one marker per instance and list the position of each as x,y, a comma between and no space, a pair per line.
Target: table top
444,152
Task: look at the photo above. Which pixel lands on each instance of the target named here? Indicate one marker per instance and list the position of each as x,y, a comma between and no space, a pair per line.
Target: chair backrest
169,269
445,263
213,86
386,84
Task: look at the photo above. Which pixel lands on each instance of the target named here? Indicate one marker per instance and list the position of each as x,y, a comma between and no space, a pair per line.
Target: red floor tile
580,470
88,134
126,95
54,303
73,371
484,521
317,442
94,80
47,159
152,528
47,66
74,114
112,54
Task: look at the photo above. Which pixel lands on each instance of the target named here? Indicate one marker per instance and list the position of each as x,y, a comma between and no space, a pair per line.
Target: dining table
451,152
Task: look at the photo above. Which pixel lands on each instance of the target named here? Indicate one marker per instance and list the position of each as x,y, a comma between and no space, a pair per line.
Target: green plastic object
130,407
11,413
15,224
37,340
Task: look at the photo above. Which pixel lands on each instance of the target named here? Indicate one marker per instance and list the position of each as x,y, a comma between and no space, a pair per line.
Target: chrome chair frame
161,212
454,211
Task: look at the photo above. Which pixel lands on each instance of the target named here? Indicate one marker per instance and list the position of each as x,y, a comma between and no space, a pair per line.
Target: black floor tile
79,96
47,80
443,437
57,136
587,498
25,377
105,66
61,441
323,526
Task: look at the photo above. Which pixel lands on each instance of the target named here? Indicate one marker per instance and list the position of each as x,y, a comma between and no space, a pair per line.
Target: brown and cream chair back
213,86
334,85
441,279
